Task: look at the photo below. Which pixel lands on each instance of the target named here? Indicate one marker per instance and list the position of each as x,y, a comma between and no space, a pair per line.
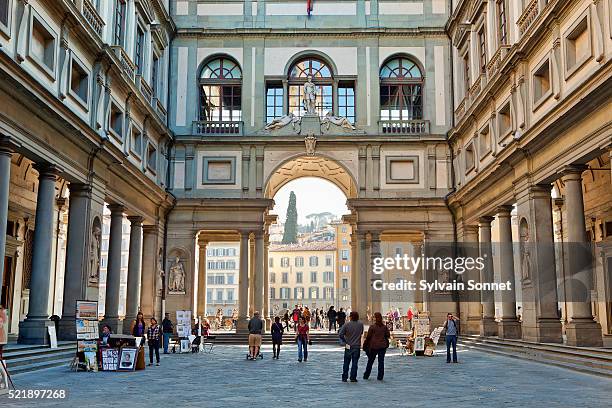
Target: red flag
309,7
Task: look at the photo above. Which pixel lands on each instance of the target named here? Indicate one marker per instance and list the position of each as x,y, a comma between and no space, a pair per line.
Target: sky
313,195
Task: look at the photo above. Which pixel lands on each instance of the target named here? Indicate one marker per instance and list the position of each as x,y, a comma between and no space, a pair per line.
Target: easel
8,376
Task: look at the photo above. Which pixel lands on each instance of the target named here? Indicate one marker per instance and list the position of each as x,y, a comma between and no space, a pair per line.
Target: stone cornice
313,32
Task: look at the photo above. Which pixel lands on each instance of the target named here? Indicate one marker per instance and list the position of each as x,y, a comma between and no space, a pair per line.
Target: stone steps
27,358
591,360
288,337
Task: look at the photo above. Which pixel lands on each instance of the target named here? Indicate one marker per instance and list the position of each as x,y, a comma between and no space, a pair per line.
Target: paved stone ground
226,379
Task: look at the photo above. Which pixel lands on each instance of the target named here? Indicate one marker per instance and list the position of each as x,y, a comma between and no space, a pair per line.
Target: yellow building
343,265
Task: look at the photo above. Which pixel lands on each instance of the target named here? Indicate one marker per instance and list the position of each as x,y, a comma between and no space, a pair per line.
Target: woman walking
277,337
139,327
153,335
375,345
286,319
302,337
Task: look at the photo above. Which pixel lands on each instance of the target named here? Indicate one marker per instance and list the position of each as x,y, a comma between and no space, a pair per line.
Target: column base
472,325
509,329
127,324
546,330
34,331
115,324
488,327
67,329
242,325
583,333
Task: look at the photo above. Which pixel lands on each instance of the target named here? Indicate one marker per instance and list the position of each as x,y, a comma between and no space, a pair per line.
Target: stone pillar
266,281
5,181
33,330
259,273
201,303
354,270
243,283
113,270
508,326
473,318
251,275
132,305
488,326
363,278
541,322
151,268
376,295
581,329
77,257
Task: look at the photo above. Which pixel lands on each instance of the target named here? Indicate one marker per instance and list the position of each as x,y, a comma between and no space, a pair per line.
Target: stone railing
212,127
161,111
529,15
403,127
460,110
126,63
477,87
91,15
144,89
497,59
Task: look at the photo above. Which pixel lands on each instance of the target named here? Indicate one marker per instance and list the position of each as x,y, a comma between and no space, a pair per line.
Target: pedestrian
167,330
286,319
306,315
277,337
341,318
295,317
255,329
350,335
409,316
153,336
317,319
451,337
302,337
139,327
331,316
375,345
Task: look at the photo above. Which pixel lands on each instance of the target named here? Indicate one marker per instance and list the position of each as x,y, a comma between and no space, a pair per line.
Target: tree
291,225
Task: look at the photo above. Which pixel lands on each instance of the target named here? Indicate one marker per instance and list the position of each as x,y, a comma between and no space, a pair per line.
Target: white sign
52,336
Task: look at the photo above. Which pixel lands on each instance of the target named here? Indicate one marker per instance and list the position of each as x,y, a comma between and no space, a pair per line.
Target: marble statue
336,120
176,278
309,100
283,121
94,254
525,254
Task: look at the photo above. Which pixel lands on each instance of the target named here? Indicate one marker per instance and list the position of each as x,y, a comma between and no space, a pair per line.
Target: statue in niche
283,121
309,100
336,120
161,275
94,253
525,251
176,278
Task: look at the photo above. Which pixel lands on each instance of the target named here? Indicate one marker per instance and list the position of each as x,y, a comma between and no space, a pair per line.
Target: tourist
295,317
167,330
205,328
303,339
341,318
306,315
286,319
375,345
255,330
451,337
153,335
277,337
139,327
317,320
331,316
350,335
409,316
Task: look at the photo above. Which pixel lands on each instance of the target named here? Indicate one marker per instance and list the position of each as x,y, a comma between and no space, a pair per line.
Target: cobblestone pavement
226,379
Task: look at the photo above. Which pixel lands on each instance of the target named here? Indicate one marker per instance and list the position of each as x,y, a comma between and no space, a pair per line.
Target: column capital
47,170
539,191
504,211
80,189
149,229
375,235
7,144
116,209
485,221
573,172
135,220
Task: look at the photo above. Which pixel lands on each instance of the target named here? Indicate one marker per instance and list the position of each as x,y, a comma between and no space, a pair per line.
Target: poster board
421,326
110,359
183,323
419,343
89,348
185,346
52,336
4,322
127,359
87,319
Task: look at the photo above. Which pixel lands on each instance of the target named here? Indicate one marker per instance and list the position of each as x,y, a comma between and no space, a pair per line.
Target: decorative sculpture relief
524,250
283,121
336,120
176,278
311,144
161,275
94,252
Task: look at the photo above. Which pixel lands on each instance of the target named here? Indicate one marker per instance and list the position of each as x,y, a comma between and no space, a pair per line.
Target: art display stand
6,382
423,340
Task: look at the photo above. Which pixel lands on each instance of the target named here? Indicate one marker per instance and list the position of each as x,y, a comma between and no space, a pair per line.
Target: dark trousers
154,346
351,357
332,322
276,348
287,324
302,349
381,363
451,340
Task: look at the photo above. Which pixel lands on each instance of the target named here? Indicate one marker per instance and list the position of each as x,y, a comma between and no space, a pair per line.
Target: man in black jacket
167,329
331,316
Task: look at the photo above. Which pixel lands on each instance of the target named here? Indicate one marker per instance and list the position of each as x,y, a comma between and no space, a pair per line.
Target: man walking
350,335
255,330
167,329
451,336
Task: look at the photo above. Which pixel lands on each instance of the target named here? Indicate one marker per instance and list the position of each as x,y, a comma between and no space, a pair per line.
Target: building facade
343,265
222,260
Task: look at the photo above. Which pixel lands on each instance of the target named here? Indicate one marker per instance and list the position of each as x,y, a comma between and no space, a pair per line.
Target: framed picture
419,343
110,359
91,361
127,359
185,346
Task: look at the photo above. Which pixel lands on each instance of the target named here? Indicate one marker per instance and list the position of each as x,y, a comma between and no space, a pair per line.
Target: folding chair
208,344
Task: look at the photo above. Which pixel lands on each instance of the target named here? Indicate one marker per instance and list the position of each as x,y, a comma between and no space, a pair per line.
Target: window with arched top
322,78
221,91
401,90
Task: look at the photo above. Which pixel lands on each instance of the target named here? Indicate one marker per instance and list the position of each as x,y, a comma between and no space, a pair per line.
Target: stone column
472,321
132,305
376,295
113,270
5,181
266,280
508,326
201,303
488,326
354,270
251,275
259,273
33,330
243,283
77,257
363,278
151,268
581,330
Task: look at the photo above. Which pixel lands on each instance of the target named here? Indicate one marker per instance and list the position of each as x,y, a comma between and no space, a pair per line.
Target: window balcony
126,63
497,60
403,127
88,10
144,89
529,15
460,110
215,127
161,111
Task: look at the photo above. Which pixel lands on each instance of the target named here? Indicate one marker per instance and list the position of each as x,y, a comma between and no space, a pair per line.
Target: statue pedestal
310,124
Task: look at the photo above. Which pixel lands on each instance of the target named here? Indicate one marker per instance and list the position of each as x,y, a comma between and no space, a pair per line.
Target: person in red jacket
375,345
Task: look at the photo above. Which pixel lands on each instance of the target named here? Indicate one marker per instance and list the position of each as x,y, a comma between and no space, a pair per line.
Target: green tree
291,225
